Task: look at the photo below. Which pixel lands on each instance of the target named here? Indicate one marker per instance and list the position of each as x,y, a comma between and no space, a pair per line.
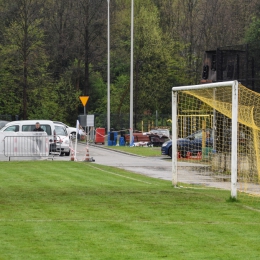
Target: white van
29,125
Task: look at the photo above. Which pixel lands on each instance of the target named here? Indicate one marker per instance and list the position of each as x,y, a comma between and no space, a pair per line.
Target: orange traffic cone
87,155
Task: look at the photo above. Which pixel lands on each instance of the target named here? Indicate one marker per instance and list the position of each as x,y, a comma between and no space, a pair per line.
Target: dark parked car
191,143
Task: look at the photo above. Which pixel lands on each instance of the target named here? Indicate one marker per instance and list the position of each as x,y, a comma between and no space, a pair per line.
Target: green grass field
69,210
142,151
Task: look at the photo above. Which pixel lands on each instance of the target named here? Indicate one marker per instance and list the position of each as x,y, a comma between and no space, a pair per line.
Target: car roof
30,122
58,122
70,127
27,122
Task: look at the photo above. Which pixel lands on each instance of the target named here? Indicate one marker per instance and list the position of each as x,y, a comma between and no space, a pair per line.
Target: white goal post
234,121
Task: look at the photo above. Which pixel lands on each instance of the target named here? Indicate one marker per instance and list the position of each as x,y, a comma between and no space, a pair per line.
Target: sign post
84,100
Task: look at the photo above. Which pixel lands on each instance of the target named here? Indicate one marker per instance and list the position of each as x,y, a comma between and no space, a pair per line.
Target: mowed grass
69,210
138,150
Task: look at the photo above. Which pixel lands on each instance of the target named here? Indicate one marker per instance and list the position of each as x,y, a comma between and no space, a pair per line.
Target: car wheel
67,154
170,152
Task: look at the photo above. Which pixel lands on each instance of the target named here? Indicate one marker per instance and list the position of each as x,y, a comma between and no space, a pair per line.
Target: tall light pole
132,72
108,67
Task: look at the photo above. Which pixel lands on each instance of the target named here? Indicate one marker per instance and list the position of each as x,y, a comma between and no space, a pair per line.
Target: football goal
215,136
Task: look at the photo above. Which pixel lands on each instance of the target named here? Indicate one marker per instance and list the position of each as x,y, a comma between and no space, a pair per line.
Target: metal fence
30,145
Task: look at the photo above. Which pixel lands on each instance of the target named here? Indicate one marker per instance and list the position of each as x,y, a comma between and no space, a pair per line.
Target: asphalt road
156,167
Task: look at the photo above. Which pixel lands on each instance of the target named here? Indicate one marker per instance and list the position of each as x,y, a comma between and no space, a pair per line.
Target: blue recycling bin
109,141
112,138
115,138
121,141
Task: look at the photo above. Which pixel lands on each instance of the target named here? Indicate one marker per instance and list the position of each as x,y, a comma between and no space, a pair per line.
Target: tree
203,25
22,50
61,39
90,19
52,51
156,56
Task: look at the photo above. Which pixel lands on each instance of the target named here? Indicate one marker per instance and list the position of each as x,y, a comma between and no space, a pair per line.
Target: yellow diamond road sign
84,100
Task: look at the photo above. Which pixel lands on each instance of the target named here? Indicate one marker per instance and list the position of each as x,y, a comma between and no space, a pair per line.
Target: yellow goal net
215,136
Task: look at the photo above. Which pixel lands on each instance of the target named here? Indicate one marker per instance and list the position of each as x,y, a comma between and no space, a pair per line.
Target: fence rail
34,145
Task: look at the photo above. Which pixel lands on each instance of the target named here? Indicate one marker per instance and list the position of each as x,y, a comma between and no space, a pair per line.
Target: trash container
122,141
115,138
112,138
100,136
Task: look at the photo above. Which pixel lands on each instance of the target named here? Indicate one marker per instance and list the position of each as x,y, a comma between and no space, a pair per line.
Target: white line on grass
251,208
122,175
134,221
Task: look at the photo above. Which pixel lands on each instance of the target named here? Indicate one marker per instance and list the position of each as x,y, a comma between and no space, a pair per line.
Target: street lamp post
132,72
108,67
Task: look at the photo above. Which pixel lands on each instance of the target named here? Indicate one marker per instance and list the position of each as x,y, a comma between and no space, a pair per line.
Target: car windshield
198,135
60,130
29,128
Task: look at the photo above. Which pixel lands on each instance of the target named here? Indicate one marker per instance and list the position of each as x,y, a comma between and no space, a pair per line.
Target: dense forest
53,51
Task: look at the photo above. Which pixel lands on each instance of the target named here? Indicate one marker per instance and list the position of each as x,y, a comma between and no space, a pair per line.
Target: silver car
72,131
63,140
